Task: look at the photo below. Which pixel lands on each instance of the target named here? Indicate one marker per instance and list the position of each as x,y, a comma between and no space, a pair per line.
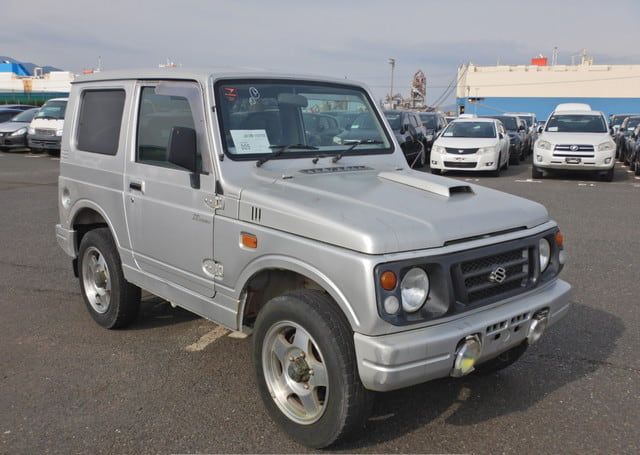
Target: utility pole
392,62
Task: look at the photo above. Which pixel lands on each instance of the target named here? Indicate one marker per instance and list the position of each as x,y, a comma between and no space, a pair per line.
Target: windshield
429,121
259,117
633,122
567,123
508,122
26,116
470,129
618,119
394,119
52,110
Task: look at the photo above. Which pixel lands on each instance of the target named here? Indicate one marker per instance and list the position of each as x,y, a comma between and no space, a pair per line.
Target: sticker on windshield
250,141
552,129
230,93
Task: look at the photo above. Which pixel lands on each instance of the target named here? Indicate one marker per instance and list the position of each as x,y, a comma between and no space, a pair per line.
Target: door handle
137,186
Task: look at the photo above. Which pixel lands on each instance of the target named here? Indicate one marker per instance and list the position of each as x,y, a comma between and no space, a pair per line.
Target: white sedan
474,144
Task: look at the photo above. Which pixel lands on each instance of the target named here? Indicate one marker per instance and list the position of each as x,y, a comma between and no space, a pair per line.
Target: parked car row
37,128
627,139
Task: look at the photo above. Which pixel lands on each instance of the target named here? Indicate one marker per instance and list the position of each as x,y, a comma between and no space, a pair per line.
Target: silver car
353,272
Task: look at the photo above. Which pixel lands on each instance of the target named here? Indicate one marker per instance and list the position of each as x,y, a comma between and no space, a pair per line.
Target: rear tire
536,173
637,167
112,301
314,415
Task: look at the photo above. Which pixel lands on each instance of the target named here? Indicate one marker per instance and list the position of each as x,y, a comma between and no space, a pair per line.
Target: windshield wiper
353,146
281,149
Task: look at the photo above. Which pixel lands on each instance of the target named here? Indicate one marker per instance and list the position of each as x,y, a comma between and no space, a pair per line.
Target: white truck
574,138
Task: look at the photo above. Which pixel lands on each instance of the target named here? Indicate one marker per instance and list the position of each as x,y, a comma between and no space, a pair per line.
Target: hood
466,142
383,212
10,127
575,138
46,123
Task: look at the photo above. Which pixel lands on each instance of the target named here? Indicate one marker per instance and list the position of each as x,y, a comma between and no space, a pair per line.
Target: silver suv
353,272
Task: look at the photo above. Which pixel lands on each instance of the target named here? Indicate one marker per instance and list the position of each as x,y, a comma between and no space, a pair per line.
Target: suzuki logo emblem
574,148
498,275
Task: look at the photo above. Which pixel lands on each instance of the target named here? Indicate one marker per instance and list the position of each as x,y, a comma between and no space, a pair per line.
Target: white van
45,130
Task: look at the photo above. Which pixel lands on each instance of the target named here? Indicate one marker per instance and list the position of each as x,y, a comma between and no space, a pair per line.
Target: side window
158,115
100,120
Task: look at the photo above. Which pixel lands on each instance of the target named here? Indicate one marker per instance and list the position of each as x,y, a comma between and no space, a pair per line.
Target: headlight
438,149
19,132
414,289
545,254
58,132
605,146
486,150
31,131
544,145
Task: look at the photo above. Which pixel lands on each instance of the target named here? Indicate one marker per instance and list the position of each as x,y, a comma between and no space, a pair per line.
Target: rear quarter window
100,120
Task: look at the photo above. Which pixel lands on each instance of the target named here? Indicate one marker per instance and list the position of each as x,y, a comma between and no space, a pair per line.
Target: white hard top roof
475,119
57,99
202,75
572,107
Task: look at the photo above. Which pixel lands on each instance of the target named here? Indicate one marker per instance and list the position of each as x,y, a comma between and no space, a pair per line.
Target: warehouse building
539,87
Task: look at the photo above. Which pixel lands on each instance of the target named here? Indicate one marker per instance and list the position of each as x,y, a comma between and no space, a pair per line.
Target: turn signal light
249,240
559,238
388,280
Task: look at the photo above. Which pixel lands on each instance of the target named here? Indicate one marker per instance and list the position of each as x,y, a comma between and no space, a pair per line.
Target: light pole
392,62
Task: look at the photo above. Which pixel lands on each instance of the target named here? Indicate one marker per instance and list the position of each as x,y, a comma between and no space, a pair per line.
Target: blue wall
542,107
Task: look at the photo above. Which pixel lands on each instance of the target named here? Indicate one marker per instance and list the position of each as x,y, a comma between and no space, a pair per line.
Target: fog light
434,162
391,304
539,157
538,325
489,163
607,160
467,354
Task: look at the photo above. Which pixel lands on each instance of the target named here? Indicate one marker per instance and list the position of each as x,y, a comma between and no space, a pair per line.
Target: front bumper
13,142
44,142
601,161
471,162
403,359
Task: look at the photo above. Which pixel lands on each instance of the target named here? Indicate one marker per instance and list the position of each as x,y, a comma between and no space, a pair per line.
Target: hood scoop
421,183
334,169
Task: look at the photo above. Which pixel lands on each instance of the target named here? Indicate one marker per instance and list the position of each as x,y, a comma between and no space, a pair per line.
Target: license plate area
572,160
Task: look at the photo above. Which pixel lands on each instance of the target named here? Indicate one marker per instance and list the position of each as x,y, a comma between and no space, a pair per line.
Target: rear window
100,120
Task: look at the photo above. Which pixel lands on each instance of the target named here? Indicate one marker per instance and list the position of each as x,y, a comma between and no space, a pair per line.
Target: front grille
460,151
39,143
580,151
45,132
478,282
460,164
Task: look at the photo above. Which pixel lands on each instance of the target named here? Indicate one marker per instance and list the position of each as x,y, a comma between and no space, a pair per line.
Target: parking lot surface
176,383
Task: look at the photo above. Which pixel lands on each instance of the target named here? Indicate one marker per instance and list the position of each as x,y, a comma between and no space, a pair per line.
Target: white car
575,138
45,130
471,144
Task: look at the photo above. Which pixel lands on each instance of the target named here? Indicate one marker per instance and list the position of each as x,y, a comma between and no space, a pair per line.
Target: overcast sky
328,37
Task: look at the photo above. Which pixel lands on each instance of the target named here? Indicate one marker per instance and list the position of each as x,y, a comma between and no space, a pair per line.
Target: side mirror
501,136
183,152
540,129
521,128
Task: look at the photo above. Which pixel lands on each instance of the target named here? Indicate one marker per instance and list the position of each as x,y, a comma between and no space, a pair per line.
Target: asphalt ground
175,383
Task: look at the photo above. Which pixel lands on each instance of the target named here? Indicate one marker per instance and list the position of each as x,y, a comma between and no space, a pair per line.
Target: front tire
306,369
498,169
536,173
607,176
111,300
436,171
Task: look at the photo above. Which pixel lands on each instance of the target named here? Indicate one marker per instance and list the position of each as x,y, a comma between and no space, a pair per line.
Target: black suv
434,123
517,131
411,135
